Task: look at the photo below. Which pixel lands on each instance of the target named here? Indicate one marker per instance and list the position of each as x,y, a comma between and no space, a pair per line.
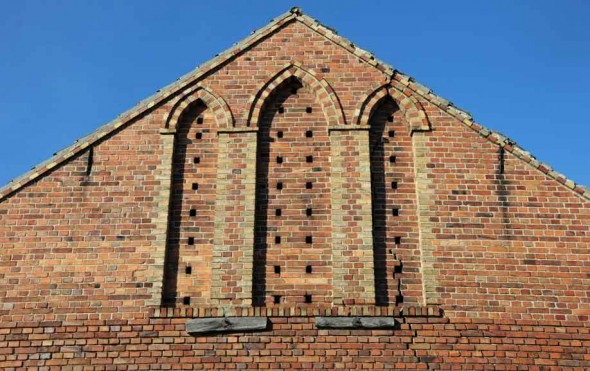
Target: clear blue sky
520,67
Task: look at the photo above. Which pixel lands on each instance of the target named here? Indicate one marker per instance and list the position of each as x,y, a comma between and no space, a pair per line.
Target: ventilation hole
200,120
280,185
398,240
309,159
277,269
309,134
393,185
277,239
199,136
308,109
197,160
308,239
397,268
308,211
308,185
399,299
390,119
392,159
391,133
279,134
188,269
281,109
192,212
395,211
325,69
279,159
186,300
308,269
191,240
276,299
278,212
307,299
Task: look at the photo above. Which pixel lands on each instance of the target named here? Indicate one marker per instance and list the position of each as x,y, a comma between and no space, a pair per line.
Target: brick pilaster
233,249
352,236
425,210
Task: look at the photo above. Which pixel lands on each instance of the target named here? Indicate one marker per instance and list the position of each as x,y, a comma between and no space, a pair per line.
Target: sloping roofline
295,14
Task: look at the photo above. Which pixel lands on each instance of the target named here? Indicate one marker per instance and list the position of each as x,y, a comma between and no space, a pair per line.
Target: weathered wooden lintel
355,322
226,324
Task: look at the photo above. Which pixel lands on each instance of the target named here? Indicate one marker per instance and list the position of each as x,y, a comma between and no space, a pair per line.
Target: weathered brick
476,250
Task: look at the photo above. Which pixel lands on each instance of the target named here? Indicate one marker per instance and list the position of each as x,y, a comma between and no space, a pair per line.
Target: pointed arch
221,111
413,111
325,94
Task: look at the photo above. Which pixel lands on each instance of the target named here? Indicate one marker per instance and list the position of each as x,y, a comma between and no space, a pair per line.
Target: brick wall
295,343
417,214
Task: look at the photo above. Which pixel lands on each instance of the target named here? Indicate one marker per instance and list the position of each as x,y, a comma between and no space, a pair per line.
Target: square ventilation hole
188,269
186,300
307,298
279,134
281,109
200,120
279,159
392,159
309,134
199,136
395,211
192,212
308,239
391,133
393,185
276,299
195,186
397,240
308,158
277,269
196,160
191,240
308,211
280,185
278,212
308,269
308,185
277,239
308,109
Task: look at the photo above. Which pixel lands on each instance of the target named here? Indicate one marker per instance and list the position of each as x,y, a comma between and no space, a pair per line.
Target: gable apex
405,83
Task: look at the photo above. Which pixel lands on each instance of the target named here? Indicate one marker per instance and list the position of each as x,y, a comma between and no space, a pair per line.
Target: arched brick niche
326,96
292,228
413,112
219,110
187,268
395,230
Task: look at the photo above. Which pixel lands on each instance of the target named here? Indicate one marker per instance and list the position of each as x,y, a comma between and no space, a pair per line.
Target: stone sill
296,311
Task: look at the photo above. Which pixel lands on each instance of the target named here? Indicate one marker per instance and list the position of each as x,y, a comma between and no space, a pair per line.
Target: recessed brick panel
304,239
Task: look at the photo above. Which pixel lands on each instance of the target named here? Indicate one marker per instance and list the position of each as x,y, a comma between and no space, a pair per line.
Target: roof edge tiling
295,14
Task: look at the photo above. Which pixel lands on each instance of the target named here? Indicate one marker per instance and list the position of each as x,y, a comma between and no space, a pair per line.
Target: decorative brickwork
413,112
292,230
294,203
323,91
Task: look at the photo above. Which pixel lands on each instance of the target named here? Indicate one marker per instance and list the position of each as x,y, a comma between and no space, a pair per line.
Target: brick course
417,213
